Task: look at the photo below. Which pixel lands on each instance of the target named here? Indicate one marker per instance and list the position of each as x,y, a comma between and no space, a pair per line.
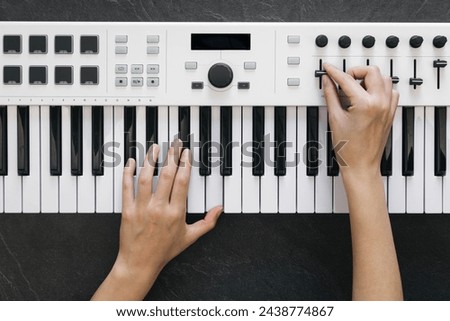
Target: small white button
250,65
121,38
152,50
121,69
293,39
191,65
152,82
137,81
121,81
293,81
137,69
152,69
293,60
152,39
121,50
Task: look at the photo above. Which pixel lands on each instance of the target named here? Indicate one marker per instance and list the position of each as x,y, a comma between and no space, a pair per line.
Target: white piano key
32,183
250,183
67,182
446,179
49,183
214,182
104,185
140,140
287,184
433,184
305,184
13,182
86,182
233,184
396,183
173,123
196,194
324,183
163,139
269,182
415,183
119,161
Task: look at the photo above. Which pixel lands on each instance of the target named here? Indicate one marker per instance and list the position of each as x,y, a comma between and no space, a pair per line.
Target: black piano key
184,125
97,140
129,133
386,159
226,140
23,140
440,141
258,141
151,129
76,140
312,141
408,141
205,140
3,141
280,141
332,164
55,141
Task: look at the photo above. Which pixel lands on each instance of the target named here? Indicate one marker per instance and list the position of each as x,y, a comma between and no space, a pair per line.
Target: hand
366,123
153,229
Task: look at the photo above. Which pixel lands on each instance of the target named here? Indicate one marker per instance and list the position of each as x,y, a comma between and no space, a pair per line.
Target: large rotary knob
220,75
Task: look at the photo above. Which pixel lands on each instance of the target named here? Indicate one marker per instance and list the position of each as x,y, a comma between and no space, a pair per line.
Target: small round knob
321,41
368,41
392,42
415,41
220,75
345,42
439,41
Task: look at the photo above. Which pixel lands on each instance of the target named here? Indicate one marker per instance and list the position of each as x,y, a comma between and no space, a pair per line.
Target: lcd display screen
220,41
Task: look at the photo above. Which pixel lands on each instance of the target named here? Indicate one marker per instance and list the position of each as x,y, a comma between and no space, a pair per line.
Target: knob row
391,41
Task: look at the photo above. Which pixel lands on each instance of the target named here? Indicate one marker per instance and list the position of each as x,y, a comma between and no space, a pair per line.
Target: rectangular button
243,85
121,69
293,81
197,85
63,75
63,44
89,44
121,81
121,50
152,50
137,69
293,60
38,75
190,65
12,44
293,39
205,140
23,140
89,75
12,75
152,82
137,82
76,138
152,39
121,38
250,65
153,69
38,44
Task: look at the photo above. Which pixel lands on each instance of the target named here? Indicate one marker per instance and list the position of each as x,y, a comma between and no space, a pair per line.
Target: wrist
360,174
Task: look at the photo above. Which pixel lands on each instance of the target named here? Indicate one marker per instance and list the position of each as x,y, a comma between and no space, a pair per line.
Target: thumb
200,228
331,96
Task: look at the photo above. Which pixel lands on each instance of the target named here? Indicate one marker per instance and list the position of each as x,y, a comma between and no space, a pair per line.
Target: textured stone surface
247,257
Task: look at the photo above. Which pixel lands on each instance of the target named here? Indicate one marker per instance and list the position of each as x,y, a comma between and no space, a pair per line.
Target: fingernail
185,155
128,162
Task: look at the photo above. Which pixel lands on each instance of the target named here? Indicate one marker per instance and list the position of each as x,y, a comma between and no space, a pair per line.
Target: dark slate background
247,257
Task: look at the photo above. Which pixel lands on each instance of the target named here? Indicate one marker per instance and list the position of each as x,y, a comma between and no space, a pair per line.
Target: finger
394,102
145,182
200,228
373,80
349,85
331,96
181,184
128,184
168,172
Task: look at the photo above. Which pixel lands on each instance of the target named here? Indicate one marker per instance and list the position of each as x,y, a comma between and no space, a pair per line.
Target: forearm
376,273
121,285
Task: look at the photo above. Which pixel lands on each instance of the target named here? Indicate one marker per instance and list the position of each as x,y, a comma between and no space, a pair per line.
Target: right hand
366,123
